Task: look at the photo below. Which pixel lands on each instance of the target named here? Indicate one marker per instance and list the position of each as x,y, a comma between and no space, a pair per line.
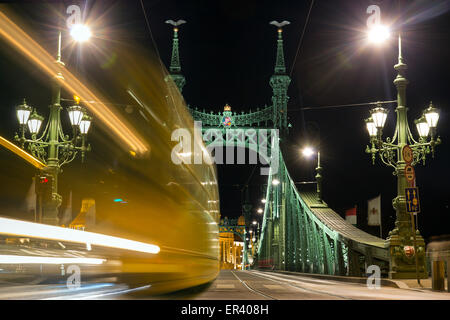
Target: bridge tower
280,82
175,65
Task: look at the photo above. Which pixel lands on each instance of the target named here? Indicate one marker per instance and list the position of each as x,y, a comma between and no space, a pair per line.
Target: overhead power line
150,31
301,38
343,105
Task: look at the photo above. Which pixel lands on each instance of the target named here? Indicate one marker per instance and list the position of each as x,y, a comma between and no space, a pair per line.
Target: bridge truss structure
298,233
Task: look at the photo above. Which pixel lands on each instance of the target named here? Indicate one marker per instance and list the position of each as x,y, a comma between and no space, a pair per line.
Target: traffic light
44,185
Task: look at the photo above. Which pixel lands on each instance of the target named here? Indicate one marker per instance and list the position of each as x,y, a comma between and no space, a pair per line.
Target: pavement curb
384,282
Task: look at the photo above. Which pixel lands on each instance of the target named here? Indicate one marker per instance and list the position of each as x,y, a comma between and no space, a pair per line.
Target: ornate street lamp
398,152
422,127
432,116
75,115
34,123
52,146
379,116
23,113
85,124
371,128
309,152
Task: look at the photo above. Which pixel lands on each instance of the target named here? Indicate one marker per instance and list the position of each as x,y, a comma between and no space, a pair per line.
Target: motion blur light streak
22,153
143,105
160,205
11,259
41,231
34,52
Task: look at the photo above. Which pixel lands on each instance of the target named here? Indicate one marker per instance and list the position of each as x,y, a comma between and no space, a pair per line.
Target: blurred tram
141,196
175,206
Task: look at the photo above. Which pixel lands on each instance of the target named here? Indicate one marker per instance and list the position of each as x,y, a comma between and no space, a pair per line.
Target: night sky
227,50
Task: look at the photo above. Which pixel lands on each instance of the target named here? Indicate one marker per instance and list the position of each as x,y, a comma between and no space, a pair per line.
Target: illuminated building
231,240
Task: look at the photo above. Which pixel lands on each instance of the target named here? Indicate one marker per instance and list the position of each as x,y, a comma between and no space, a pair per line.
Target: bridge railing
300,233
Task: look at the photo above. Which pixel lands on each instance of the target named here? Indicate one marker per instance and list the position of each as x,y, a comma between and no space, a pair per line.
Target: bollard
448,276
438,275
438,252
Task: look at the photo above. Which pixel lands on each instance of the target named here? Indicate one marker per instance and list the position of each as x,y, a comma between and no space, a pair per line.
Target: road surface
230,285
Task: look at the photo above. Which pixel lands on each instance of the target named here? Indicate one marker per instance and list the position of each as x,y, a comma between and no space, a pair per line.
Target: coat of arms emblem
227,120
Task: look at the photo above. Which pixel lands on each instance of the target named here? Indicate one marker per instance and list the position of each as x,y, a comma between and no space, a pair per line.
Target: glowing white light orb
379,34
80,32
308,152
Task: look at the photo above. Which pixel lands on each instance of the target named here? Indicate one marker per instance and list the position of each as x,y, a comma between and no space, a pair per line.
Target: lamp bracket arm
395,136
67,142
68,157
388,146
37,142
61,134
420,145
85,148
386,157
411,137
44,135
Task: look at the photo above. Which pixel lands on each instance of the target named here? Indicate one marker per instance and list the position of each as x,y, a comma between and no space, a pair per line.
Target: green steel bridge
299,231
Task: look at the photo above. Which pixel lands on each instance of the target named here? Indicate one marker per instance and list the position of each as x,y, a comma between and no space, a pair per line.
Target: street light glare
80,32
379,34
308,152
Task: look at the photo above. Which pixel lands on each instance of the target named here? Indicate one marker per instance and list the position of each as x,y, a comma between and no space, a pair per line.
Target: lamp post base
403,261
54,221
51,211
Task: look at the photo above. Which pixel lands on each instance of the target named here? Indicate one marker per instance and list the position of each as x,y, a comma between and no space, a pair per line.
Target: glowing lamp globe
379,116
85,124
431,116
422,127
35,122
75,115
80,32
371,128
379,34
308,152
23,112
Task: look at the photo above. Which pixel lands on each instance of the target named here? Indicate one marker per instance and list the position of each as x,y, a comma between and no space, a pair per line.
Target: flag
374,211
30,200
350,215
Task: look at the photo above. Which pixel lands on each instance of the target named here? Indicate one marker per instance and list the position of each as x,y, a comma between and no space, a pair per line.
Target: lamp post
53,147
394,152
308,152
